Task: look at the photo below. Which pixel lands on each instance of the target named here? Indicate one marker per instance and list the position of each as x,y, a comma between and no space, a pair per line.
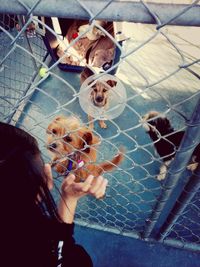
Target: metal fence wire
156,58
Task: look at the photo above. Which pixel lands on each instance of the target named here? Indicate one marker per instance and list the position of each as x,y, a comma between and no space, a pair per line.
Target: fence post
188,193
118,11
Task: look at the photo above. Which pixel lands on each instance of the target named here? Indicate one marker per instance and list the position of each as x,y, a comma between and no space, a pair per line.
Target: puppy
166,141
101,57
94,33
98,95
67,58
74,148
102,52
84,45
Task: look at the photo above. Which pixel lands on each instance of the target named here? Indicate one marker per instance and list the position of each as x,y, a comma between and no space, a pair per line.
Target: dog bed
101,53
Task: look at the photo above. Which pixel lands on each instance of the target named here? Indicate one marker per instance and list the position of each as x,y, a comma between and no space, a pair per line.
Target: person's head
22,172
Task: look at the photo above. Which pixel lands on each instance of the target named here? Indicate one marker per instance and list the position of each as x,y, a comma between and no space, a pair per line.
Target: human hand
70,189
71,192
95,186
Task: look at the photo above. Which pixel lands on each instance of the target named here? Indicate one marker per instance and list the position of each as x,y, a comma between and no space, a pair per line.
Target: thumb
49,177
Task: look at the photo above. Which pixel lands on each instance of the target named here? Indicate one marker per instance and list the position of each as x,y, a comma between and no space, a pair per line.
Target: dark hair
22,174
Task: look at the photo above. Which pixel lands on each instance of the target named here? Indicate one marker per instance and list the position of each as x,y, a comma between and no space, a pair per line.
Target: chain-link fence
45,47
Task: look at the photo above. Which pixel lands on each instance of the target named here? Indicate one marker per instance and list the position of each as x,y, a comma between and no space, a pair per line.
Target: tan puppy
87,40
74,148
93,33
103,51
94,46
66,57
61,53
101,57
99,94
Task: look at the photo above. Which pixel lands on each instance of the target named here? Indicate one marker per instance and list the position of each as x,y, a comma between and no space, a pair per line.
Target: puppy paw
163,171
145,124
161,176
192,167
102,124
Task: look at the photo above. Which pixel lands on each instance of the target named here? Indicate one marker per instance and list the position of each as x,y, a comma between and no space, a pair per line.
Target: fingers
98,188
95,186
86,185
69,180
97,183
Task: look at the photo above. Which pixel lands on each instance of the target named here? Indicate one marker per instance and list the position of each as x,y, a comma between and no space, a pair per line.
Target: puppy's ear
111,83
85,74
91,83
87,140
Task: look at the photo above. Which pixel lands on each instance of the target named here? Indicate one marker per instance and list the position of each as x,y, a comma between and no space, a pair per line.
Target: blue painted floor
111,250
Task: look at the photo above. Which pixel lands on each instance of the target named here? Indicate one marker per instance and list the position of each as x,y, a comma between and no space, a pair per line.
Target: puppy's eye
105,90
48,131
54,131
95,90
67,138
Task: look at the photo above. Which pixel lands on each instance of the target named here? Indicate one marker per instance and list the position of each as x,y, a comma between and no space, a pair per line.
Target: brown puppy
103,51
93,33
87,40
99,94
74,148
101,57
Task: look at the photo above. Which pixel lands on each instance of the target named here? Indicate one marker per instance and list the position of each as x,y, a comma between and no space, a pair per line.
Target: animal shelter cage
157,59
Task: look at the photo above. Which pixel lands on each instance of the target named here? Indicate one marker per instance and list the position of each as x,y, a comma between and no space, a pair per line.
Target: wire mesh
18,64
186,229
159,67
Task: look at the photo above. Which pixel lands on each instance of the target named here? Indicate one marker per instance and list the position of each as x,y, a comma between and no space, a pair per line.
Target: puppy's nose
53,145
99,99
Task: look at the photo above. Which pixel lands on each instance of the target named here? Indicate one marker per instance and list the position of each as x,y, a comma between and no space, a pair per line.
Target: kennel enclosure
137,205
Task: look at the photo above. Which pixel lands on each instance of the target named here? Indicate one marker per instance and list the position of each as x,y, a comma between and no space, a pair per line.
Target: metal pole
116,11
176,170
187,195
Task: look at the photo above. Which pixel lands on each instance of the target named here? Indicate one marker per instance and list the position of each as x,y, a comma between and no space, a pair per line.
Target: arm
71,192
73,254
